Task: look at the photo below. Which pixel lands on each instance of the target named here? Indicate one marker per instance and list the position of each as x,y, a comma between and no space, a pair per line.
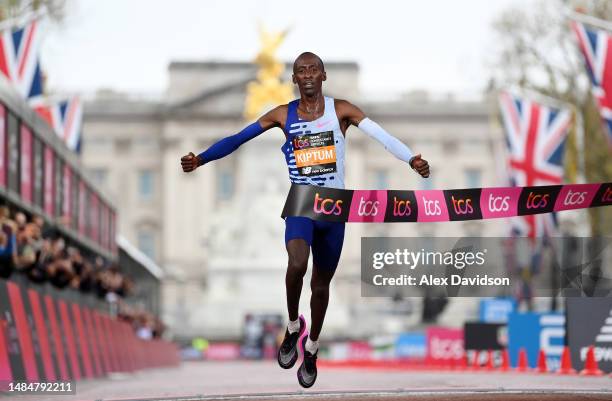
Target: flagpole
580,142
22,20
587,19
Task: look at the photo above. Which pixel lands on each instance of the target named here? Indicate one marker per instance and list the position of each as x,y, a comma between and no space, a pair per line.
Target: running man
310,122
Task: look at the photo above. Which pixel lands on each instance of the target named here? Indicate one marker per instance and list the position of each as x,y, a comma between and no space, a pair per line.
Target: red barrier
6,374
41,331
69,336
112,345
60,354
23,331
67,341
78,322
93,342
104,348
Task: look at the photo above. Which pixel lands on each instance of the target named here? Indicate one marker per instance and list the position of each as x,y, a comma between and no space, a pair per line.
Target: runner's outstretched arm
354,116
229,144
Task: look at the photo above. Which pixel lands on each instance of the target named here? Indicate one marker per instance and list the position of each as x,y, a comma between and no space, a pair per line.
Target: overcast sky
437,45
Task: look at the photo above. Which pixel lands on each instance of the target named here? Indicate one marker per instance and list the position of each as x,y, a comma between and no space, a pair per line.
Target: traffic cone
542,366
462,363
505,365
590,364
566,363
490,365
476,361
522,365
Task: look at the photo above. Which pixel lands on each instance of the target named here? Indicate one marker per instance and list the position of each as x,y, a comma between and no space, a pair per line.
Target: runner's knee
297,265
319,289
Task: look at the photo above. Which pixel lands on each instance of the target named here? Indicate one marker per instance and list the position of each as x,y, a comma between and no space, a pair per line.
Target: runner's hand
190,162
420,166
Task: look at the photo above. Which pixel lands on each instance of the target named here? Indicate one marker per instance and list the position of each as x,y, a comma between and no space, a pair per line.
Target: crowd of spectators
145,324
39,252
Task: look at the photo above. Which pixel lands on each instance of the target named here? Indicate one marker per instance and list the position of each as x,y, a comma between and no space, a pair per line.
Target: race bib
315,154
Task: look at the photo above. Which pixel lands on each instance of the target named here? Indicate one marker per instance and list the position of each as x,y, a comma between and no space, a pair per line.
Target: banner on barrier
496,310
534,332
589,322
411,346
444,345
367,206
485,336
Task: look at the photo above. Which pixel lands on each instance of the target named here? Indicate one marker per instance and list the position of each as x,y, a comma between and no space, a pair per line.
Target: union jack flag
19,59
64,116
596,47
535,137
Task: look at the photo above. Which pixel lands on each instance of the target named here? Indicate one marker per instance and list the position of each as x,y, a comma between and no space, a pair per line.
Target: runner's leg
298,252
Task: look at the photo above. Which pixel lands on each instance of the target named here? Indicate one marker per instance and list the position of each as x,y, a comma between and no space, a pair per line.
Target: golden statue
267,91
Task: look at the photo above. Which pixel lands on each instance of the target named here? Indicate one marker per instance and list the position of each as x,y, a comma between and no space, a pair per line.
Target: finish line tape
378,206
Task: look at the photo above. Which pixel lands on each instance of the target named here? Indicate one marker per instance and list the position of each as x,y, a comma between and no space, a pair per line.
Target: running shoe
288,353
307,372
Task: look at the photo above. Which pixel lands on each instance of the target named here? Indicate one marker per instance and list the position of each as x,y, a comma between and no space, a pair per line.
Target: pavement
264,380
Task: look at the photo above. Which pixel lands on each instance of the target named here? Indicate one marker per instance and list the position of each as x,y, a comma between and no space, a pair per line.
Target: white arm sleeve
391,143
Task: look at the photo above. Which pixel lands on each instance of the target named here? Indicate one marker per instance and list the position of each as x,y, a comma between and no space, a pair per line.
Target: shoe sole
299,376
297,354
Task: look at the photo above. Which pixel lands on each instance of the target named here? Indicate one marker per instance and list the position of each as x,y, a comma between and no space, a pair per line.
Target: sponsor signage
534,332
589,322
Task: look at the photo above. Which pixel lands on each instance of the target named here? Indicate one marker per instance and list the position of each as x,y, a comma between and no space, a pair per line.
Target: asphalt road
246,380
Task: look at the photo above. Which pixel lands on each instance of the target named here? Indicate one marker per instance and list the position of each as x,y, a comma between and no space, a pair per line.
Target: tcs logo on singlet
327,205
300,142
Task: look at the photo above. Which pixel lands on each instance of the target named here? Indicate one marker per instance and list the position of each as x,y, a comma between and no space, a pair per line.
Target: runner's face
308,75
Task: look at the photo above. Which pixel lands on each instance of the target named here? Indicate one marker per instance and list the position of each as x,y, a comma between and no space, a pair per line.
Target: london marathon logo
315,154
463,204
401,206
534,200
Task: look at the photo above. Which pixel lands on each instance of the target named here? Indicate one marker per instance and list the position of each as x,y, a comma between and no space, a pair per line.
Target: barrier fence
47,337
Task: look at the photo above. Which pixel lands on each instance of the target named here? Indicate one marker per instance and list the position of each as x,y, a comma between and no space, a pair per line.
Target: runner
315,128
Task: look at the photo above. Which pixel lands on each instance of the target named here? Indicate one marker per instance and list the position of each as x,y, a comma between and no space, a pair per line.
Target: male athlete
310,122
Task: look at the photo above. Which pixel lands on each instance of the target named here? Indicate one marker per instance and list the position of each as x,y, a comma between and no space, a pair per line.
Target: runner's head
309,73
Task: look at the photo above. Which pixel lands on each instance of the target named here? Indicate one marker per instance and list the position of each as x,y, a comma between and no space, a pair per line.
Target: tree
14,9
537,51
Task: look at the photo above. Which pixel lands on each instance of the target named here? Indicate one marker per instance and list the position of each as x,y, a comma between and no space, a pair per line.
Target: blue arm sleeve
229,144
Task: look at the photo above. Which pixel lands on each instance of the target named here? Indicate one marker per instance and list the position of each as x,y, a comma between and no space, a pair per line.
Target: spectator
145,327
39,272
26,252
20,219
8,246
60,269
